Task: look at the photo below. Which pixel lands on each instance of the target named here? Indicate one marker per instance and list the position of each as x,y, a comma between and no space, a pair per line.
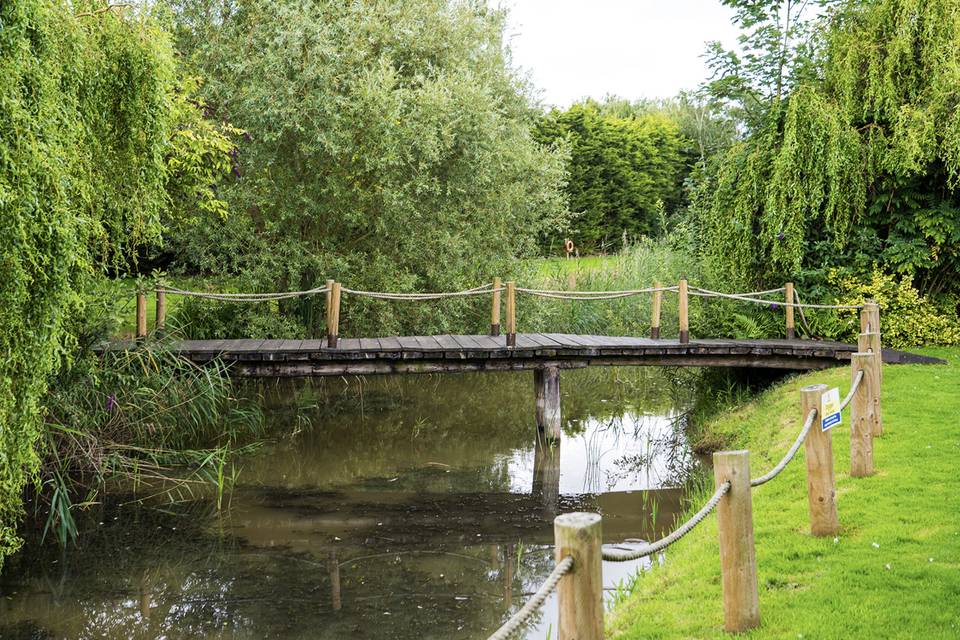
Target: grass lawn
552,267
894,570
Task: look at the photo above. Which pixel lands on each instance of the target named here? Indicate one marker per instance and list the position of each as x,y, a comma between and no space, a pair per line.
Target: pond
408,507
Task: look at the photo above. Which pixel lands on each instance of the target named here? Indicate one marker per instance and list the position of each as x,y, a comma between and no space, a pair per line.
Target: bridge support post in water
546,475
655,312
789,298
580,591
861,416
738,561
546,384
684,305
334,566
495,309
821,490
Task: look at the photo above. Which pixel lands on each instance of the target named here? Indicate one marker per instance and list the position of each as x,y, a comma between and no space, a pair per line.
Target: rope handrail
598,293
773,473
393,295
752,294
535,602
853,390
624,555
244,297
703,293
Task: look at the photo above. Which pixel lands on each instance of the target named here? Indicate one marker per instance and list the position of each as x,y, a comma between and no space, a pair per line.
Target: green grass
892,572
549,268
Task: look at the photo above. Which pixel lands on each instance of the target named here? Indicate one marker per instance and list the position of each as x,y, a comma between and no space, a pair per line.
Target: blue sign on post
830,409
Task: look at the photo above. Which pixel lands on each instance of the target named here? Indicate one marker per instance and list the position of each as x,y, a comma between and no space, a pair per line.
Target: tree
624,171
861,165
390,148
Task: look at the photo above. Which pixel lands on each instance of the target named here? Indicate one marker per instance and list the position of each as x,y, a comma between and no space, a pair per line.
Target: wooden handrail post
495,309
861,415
580,592
572,281
790,298
738,561
161,311
511,314
141,316
657,304
870,343
684,313
333,315
821,490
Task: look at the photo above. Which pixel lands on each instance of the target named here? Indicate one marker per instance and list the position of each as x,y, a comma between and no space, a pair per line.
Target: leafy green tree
89,102
390,148
863,163
624,171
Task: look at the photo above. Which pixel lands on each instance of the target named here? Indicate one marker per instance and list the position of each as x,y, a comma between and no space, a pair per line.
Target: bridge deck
457,353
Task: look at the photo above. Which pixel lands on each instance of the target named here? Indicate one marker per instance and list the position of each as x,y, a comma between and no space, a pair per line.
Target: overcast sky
631,48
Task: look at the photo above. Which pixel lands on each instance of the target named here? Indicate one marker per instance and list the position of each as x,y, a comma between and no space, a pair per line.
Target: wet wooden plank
390,343
370,344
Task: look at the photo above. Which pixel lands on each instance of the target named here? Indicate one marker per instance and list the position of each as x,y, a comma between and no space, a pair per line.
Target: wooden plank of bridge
371,344
390,343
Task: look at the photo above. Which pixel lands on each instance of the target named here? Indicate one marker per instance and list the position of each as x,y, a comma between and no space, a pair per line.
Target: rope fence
578,585
334,291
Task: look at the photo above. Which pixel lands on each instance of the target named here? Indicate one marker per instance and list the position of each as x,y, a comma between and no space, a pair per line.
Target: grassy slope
908,587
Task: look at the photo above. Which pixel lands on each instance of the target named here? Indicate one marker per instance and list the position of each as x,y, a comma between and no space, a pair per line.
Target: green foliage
906,318
83,136
858,164
147,417
389,149
623,171
89,102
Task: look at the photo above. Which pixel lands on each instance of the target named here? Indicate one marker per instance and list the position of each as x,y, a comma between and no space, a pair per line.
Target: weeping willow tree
90,161
859,163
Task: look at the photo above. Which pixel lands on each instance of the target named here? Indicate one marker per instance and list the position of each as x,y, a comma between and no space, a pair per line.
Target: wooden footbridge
546,354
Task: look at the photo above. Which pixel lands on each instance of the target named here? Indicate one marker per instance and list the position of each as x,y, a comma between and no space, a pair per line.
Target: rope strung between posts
244,297
853,390
625,555
536,601
591,295
803,316
811,417
707,293
380,295
704,293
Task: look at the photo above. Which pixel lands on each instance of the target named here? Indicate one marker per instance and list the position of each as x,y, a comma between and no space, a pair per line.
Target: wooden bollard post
161,311
656,305
861,415
546,384
870,317
684,313
738,561
333,315
141,316
495,308
789,298
580,592
870,343
821,490
511,314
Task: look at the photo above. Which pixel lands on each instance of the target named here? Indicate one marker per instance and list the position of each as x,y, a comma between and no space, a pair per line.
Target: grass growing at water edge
896,562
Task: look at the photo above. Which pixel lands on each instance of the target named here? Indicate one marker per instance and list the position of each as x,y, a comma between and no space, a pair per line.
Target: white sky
630,48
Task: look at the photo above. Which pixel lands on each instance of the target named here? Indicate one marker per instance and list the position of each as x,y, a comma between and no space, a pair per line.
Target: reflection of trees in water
149,575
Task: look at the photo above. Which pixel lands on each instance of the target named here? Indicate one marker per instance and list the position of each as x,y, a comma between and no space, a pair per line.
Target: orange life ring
568,245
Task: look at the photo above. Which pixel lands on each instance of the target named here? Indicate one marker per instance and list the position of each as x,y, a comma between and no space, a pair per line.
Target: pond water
396,507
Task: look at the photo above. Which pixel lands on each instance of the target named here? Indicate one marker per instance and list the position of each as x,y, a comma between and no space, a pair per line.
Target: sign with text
830,409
